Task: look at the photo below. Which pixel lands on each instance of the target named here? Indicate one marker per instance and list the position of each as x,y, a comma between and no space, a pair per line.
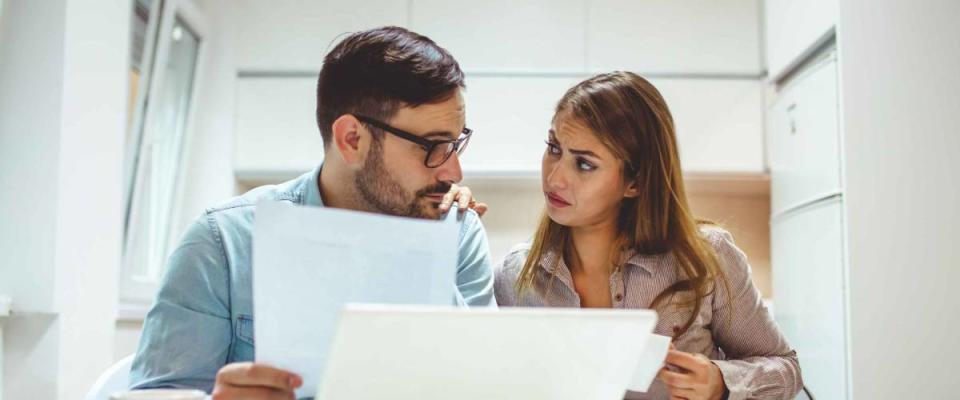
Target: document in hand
310,261
424,353
650,362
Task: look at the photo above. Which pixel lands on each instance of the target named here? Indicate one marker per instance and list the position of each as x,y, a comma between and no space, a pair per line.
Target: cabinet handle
793,121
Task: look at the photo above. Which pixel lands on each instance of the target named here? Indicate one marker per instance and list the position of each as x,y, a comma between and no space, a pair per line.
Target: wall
899,85
746,215
62,100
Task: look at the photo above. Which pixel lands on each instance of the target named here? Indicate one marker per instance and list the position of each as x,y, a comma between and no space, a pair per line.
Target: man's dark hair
374,72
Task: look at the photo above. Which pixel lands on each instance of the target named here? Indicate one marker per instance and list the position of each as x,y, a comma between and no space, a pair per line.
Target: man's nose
450,170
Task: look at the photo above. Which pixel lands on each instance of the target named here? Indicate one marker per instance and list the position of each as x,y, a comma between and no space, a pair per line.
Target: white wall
31,71
898,68
63,68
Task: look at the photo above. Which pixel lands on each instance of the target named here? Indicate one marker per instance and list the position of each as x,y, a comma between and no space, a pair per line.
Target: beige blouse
742,340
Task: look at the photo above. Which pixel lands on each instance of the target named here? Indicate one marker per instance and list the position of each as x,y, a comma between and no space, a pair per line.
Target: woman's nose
555,177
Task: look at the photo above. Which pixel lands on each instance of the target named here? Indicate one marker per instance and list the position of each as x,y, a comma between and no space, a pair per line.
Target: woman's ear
632,189
351,142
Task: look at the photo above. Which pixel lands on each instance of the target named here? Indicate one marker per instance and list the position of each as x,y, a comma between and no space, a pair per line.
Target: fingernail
295,381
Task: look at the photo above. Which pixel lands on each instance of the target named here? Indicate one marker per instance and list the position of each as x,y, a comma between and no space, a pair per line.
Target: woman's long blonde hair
629,116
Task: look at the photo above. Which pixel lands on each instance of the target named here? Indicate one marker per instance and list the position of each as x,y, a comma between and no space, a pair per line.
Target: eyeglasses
438,151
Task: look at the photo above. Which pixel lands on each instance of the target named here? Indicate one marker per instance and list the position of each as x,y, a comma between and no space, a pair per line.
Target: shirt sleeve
506,274
474,269
186,334
759,363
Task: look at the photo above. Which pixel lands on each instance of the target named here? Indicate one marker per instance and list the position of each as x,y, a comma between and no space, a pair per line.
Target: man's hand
699,378
246,380
464,199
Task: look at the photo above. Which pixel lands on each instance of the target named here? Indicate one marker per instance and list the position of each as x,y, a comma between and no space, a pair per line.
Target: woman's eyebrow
553,138
584,153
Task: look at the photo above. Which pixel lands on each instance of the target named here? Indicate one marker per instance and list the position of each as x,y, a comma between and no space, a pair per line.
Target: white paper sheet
544,353
650,362
310,261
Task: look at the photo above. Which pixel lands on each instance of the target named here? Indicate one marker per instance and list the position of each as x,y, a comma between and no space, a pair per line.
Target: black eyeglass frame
426,144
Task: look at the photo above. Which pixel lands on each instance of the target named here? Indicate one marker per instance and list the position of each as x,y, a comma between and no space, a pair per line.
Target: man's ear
350,140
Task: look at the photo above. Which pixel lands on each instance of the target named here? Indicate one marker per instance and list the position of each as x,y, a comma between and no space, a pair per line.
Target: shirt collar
647,262
554,264
311,191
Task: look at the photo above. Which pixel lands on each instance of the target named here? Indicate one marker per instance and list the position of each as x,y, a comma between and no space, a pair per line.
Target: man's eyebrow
445,134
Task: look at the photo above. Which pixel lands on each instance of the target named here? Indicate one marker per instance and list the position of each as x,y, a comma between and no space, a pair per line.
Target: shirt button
618,297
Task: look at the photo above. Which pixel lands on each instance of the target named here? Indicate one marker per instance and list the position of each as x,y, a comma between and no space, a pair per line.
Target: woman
618,233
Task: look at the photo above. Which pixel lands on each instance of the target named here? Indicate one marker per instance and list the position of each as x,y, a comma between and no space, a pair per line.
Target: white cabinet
804,141
649,36
519,58
276,131
283,35
670,36
719,123
809,290
510,118
505,35
795,29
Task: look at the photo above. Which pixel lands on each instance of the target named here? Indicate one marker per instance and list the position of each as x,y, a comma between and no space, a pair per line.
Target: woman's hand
696,379
464,198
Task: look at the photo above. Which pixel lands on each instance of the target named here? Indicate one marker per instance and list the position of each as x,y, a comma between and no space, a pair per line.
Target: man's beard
383,194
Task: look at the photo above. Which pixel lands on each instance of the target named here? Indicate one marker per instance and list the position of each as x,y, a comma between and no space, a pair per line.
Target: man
391,113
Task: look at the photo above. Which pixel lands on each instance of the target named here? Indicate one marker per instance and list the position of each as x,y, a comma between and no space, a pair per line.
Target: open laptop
434,352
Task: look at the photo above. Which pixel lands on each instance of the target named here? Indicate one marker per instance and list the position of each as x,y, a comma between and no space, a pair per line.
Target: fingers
449,197
675,379
465,198
480,208
684,360
257,375
685,394
250,393
679,385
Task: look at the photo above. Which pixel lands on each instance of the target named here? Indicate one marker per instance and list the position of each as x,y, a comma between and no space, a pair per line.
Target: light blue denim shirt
203,316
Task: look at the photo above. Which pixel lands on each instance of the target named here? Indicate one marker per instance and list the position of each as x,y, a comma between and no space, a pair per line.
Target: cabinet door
276,132
510,117
809,292
804,141
294,35
795,28
505,36
719,123
674,37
